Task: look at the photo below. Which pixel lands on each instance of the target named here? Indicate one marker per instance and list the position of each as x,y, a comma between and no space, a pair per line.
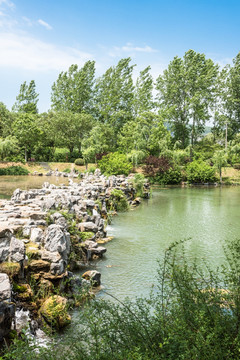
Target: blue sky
41,38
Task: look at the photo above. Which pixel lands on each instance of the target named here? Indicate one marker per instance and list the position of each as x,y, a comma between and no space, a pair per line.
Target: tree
5,120
8,147
114,95
143,93
73,90
26,101
26,130
228,114
220,160
71,128
99,140
185,92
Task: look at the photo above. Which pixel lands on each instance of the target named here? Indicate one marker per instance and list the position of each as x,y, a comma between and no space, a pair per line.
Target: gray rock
88,226
51,256
57,268
16,250
57,240
5,239
5,288
36,235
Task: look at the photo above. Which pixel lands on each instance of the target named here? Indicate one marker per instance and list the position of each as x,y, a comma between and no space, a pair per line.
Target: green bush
170,177
115,164
117,201
200,172
79,162
14,170
67,170
138,182
236,166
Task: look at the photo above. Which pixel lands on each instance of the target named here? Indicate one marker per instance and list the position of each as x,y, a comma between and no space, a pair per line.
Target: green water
209,216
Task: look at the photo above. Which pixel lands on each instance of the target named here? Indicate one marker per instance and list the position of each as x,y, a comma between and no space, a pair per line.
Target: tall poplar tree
73,90
185,92
26,101
114,95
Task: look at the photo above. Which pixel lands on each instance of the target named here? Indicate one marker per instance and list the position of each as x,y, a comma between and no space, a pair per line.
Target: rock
5,239
16,250
99,251
39,265
93,276
51,256
36,235
57,240
57,268
88,226
7,312
5,288
54,312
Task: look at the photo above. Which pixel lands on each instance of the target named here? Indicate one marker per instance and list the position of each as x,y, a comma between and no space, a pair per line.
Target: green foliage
170,177
79,162
73,90
200,172
14,170
192,314
138,182
115,164
26,101
236,166
118,201
67,170
8,147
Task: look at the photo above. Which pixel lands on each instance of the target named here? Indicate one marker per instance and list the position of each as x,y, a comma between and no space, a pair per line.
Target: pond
208,216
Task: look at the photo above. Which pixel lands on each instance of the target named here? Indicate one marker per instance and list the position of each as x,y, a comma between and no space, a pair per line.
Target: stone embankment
47,233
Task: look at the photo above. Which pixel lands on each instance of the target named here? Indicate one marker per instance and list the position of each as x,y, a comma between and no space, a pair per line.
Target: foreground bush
115,164
200,172
193,314
14,170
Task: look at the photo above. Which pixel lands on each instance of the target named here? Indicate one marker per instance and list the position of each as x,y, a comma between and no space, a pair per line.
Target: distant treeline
91,116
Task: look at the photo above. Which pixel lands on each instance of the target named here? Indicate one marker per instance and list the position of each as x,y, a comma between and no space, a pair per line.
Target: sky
41,38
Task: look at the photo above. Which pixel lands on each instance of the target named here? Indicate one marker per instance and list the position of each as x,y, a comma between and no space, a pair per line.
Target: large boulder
57,240
16,250
88,226
54,311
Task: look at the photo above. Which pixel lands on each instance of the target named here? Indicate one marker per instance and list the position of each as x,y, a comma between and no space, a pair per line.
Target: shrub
156,165
192,314
170,177
236,166
138,183
118,201
115,164
200,172
79,162
14,170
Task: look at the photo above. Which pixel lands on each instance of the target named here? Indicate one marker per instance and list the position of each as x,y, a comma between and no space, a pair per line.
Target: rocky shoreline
46,234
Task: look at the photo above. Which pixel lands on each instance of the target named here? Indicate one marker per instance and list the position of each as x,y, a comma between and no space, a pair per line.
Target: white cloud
130,50
27,53
7,2
43,23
